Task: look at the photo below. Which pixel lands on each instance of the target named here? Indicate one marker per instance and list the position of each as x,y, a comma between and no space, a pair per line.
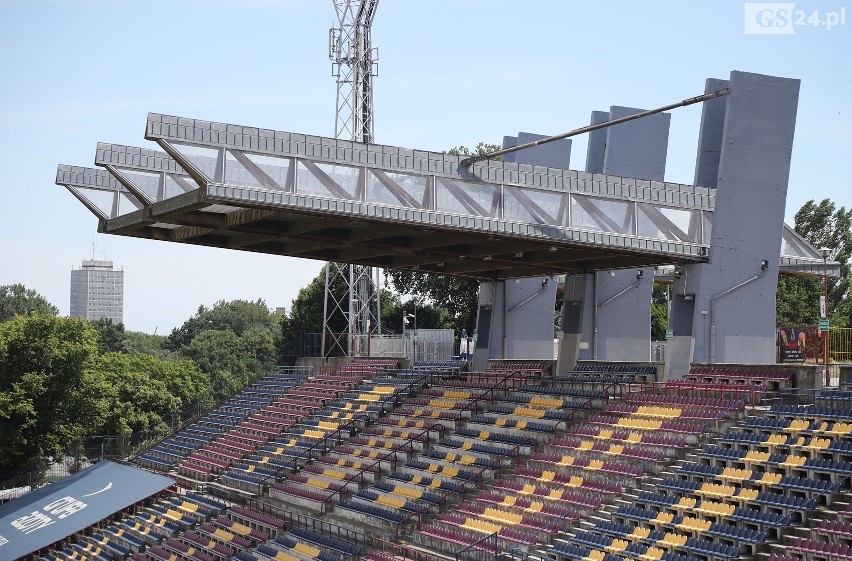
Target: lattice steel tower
353,63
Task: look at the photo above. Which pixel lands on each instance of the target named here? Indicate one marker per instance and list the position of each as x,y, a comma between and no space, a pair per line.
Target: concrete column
620,326
734,294
680,351
572,322
517,315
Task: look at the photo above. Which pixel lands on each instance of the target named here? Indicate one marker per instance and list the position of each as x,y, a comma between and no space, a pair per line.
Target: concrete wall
617,314
518,314
733,296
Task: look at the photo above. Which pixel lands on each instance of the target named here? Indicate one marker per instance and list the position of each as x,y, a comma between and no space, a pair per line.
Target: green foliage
17,300
429,316
659,312
221,355
111,337
139,394
306,311
232,343
481,148
136,342
797,303
236,316
46,402
457,295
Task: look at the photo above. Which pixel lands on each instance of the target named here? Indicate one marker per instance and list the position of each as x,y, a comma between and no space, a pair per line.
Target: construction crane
354,65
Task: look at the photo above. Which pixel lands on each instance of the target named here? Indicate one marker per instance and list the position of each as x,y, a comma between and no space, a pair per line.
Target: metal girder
278,192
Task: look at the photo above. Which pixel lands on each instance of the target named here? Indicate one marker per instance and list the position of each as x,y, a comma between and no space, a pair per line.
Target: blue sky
451,72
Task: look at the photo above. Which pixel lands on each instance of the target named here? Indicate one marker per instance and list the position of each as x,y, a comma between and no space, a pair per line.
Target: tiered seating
608,374
316,414
210,444
764,377
733,495
347,466
531,503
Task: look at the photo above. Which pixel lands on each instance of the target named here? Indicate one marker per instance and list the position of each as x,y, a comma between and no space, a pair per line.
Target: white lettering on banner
64,507
32,522
3,540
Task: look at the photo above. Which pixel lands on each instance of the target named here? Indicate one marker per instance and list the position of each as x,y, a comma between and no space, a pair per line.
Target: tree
457,295
139,394
111,338
481,149
45,398
306,312
236,315
136,342
797,301
17,300
659,312
220,355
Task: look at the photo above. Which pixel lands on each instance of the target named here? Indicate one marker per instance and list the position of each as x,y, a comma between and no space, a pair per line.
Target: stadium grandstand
370,460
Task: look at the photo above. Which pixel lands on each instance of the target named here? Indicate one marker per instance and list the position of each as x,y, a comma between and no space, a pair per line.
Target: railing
360,475
292,464
323,527
479,552
402,551
198,413
494,464
624,480
680,388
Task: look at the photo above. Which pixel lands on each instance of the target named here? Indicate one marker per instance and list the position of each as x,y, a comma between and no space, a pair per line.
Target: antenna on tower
354,65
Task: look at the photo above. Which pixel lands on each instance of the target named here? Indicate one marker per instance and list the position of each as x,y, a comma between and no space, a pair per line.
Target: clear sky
451,72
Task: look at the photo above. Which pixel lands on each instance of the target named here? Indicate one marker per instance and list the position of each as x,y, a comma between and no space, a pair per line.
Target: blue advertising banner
60,509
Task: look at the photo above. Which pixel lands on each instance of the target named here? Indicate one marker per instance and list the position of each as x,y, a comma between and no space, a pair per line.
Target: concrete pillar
618,325
571,323
680,351
733,317
518,314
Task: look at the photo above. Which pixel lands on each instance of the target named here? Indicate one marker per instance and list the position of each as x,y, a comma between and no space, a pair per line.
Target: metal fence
840,344
431,345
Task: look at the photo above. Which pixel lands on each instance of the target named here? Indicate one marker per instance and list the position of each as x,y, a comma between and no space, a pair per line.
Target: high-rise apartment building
97,291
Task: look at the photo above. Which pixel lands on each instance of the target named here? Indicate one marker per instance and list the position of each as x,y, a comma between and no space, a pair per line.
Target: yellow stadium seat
663,518
793,461
391,501
694,524
535,506
797,425
673,540
652,554
307,550
617,546
595,555
615,450
770,478
566,461
634,438
639,533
